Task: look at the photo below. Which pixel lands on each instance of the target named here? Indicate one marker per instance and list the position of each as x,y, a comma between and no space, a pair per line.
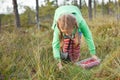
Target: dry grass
26,54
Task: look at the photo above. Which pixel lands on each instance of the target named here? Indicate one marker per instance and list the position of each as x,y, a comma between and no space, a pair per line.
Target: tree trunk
0,23
95,8
90,9
85,3
75,3
118,11
119,2
119,8
109,7
46,2
56,1
17,18
80,4
103,7
37,14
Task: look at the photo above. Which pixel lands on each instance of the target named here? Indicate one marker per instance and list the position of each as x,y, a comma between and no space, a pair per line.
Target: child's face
66,24
68,31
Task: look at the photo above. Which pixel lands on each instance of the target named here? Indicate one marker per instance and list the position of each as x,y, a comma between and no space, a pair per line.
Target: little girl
68,25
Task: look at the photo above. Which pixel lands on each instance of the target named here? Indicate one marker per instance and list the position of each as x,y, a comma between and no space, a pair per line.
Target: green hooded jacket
82,27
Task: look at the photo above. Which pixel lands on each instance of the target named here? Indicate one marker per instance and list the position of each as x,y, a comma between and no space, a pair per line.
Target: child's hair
68,21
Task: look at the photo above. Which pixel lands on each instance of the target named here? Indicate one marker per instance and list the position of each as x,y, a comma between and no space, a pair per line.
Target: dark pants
65,57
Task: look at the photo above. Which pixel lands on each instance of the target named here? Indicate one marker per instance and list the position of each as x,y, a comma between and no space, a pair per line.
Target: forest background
26,39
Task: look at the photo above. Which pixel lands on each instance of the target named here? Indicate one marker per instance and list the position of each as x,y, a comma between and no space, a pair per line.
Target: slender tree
17,18
119,2
46,2
28,12
0,23
56,3
1,2
65,2
37,14
117,8
102,7
80,4
109,5
74,2
95,8
85,3
90,9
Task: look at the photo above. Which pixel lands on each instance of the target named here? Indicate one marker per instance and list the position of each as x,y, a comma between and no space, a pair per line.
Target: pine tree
17,18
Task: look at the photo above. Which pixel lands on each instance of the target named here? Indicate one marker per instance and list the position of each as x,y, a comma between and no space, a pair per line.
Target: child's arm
56,44
88,36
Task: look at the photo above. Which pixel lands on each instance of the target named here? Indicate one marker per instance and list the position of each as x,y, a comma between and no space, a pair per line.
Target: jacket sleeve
56,44
88,36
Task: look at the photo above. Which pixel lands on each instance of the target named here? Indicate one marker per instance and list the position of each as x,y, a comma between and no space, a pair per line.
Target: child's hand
60,66
95,57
